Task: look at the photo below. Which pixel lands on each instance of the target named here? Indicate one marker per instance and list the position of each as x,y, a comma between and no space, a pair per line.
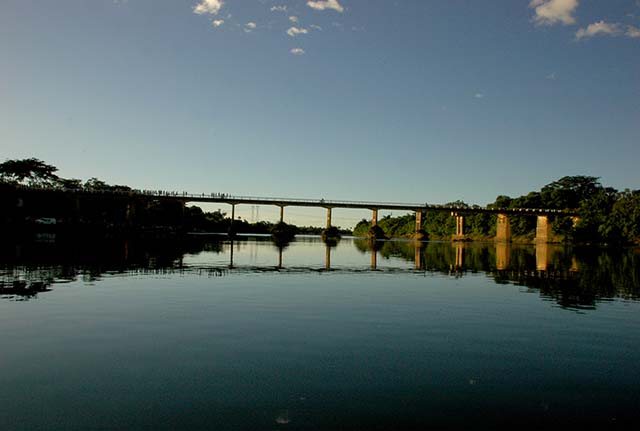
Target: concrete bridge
503,228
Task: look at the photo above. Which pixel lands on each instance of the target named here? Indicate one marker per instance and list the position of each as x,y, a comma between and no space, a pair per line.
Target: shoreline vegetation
34,198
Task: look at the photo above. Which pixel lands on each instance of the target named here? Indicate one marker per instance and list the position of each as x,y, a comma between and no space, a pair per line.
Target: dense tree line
605,215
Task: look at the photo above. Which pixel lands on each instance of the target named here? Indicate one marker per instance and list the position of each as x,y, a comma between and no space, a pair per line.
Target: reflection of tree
31,268
22,290
576,279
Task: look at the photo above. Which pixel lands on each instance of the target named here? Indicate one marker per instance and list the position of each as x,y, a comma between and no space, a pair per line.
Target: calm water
205,334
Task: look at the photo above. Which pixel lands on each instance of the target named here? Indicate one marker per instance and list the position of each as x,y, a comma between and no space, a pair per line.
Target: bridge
503,228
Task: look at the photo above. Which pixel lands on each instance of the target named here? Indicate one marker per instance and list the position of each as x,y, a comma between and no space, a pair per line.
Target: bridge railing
226,197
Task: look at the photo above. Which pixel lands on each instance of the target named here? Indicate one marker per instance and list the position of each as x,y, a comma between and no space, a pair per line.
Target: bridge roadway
323,203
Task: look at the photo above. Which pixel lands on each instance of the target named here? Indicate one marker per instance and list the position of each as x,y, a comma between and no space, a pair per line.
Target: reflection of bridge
503,228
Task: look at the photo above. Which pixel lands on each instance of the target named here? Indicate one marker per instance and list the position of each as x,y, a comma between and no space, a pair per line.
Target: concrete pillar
543,229
374,217
459,235
328,218
459,225
503,254
281,214
233,216
503,228
418,221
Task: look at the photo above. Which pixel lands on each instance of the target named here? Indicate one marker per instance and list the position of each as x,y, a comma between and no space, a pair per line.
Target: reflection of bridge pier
280,257
542,256
374,258
327,257
231,255
419,257
503,254
459,263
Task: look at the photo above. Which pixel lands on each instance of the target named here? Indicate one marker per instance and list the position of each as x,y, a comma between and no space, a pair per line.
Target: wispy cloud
249,27
294,31
293,18
282,8
551,76
297,51
326,4
315,27
208,7
550,12
633,31
599,28
217,22
479,96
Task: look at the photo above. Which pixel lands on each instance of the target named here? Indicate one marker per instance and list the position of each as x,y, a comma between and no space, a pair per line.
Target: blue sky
404,101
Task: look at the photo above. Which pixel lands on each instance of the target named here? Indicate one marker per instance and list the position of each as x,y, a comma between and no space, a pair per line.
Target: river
205,333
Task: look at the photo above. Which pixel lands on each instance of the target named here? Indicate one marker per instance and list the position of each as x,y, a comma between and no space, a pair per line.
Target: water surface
188,334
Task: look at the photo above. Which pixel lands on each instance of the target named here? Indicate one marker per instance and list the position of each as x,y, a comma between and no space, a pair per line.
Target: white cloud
633,31
549,12
294,31
600,27
248,27
279,8
297,51
479,96
217,22
293,18
208,6
326,4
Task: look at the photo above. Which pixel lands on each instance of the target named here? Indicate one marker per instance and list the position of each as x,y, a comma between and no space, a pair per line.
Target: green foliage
31,172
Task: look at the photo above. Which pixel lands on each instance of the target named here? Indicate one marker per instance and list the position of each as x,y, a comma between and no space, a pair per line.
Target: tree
31,172
569,192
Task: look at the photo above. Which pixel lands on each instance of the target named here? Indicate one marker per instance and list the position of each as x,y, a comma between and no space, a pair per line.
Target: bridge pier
374,217
328,218
543,229
459,235
282,214
418,230
503,228
233,216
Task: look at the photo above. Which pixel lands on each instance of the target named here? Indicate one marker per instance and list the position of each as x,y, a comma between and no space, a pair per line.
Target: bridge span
503,228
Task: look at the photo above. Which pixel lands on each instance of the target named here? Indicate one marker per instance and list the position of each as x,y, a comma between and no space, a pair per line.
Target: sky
370,100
